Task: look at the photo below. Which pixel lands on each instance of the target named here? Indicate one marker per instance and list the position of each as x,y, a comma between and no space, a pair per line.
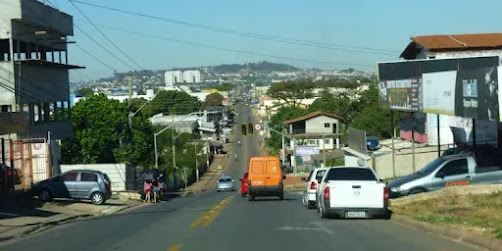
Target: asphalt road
225,221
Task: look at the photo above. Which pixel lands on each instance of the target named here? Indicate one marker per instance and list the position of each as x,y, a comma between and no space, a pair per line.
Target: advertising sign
464,87
303,151
476,93
438,92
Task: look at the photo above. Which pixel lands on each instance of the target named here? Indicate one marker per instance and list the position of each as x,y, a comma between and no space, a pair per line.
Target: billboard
464,87
357,140
304,151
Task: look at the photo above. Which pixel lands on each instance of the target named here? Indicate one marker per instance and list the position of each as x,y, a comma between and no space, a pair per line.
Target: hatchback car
226,184
76,184
312,182
244,184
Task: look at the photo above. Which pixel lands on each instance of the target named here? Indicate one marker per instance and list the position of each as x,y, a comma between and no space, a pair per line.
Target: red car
244,184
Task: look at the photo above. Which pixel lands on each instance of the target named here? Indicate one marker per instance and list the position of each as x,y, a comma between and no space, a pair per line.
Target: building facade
179,77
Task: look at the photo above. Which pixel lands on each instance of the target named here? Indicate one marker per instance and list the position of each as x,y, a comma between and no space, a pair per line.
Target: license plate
352,214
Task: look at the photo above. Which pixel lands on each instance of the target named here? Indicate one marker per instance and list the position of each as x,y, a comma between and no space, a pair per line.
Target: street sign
257,126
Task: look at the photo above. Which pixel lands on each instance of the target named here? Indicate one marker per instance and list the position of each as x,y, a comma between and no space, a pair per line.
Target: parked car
309,195
76,184
352,192
265,177
9,178
450,170
226,184
244,184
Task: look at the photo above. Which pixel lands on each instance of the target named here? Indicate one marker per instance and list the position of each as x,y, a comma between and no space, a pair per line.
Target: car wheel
304,201
98,198
281,196
45,195
416,191
322,214
310,205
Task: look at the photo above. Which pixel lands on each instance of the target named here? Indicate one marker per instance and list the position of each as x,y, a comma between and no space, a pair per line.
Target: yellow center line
208,217
174,247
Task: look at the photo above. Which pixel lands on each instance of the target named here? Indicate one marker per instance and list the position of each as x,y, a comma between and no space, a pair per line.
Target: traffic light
250,128
243,129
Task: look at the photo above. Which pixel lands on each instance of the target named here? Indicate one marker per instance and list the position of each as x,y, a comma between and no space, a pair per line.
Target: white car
352,192
309,195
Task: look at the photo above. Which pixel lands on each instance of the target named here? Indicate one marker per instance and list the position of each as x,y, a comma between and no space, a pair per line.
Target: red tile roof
312,115
460,42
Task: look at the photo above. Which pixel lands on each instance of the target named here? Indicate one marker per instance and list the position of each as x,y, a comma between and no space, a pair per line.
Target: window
313,142
319,175
455,167
335,129
327,141
350,174
70,176
326,125
88,177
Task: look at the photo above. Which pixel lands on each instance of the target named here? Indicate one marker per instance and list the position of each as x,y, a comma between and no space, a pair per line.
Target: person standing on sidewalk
147,188
155,190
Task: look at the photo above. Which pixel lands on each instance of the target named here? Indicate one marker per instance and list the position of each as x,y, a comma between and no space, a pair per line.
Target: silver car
76,184
226,184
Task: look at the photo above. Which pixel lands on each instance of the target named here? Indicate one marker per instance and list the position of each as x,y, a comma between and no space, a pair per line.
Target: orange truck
265,177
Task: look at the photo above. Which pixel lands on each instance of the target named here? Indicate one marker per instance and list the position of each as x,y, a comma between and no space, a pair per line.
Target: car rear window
350,174
88,177
225,180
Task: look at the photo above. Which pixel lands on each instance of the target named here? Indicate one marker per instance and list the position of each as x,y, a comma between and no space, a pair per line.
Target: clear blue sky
382,24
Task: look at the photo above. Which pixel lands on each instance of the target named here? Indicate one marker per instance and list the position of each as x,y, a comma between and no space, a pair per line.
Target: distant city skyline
383,25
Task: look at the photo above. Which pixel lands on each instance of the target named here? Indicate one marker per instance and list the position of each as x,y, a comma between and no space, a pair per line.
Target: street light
163,130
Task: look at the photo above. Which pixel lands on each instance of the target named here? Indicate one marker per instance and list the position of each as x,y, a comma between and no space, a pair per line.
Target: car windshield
350,174
429,168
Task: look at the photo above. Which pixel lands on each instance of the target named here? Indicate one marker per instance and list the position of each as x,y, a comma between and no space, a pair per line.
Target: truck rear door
356,194
257,173
355,188
272,175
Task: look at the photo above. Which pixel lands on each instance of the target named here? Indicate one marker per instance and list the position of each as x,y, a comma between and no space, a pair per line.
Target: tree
372,119
99,124
341,104
214,99
292,92
178,101
102,134
225,87
276,122
85,92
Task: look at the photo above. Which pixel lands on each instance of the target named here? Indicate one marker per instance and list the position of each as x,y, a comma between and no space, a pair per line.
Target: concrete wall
316,125
43,15
121,175
403,162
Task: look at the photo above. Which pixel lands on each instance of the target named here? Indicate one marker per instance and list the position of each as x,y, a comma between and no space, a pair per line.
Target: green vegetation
102,133
362,113
214,99
477,213
85,92
225,87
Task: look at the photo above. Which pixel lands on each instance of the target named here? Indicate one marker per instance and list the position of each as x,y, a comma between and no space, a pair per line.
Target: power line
231,50
102,47
105,36
250,34
96,58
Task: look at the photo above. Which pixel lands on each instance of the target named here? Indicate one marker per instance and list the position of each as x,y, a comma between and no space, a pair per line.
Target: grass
479,213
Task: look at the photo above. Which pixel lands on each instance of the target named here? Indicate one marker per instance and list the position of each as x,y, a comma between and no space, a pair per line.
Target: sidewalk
213,173
25,215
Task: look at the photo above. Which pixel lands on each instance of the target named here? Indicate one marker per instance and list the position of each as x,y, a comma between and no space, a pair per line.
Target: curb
455,234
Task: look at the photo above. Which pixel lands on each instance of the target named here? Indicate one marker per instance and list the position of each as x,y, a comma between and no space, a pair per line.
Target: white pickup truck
352,192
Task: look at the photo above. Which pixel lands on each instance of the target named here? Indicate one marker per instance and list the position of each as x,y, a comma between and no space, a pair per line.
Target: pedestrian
147,188
156,190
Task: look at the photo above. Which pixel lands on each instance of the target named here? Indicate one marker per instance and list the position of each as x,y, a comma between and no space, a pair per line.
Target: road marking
205,219
287,228
174,247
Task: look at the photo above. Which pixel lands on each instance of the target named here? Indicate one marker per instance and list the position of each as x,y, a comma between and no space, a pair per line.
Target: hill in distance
263,66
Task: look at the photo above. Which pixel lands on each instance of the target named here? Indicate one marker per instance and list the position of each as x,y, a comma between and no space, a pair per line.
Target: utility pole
196,163
323,151
130,90
172,142
283,150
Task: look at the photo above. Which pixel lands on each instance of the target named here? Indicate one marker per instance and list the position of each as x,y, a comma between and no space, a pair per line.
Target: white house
320,129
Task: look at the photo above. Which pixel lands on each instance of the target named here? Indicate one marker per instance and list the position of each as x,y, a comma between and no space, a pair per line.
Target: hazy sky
357,23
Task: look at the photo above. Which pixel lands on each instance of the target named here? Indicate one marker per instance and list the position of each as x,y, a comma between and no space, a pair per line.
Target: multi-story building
179,77
34,81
